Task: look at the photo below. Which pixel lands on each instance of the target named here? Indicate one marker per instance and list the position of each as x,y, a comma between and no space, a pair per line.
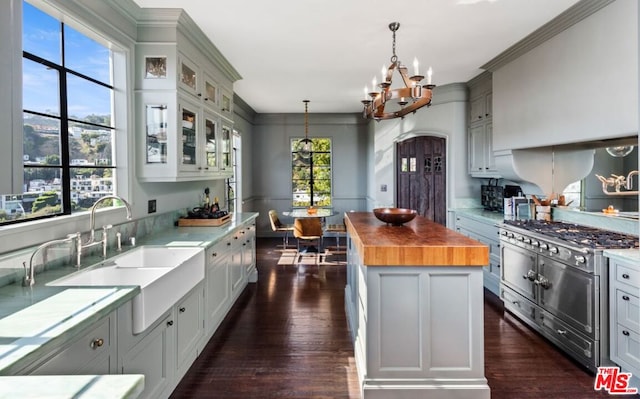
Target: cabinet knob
169,323
199,94
214,254
625,333
182,309
625,276
479,116
624,297
96,343
228,244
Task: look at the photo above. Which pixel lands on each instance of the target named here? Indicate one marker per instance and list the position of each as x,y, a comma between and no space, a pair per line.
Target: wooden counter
414,302
420,242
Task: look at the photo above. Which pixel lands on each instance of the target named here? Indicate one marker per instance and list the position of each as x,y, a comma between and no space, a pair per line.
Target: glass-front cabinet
184,104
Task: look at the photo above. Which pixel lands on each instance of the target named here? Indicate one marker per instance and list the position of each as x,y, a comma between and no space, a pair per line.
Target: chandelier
384,102
305,144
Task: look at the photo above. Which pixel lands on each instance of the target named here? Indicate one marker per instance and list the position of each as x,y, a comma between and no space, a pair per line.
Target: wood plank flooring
287,337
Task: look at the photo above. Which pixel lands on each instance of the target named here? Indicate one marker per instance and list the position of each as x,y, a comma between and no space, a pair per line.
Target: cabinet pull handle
561,332
96,343
214,254
626,298
169,323
625,333
625,276
182,309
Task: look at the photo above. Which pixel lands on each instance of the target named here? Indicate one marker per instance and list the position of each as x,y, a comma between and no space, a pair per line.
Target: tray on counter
194,222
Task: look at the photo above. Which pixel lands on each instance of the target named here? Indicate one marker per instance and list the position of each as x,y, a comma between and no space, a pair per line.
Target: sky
41,36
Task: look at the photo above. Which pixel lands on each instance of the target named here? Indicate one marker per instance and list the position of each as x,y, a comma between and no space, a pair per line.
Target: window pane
40,34
41,142
86,56
89,184
88,101
40,88
321,159
90,145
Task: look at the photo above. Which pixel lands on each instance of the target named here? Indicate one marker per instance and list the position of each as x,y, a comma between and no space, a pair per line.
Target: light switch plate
151,208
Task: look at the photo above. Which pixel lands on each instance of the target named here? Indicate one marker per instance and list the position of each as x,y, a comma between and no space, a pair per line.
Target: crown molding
567,19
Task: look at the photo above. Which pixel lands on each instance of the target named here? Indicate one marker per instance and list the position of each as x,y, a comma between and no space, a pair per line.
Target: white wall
580,85
445,118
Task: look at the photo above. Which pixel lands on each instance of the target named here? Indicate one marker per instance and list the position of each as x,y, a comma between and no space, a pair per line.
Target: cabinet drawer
565,336
77,358
627,275
628,310
489,230
218,250
518,304
628,347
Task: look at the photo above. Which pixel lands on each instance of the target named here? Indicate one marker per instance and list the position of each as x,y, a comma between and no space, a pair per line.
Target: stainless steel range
554,277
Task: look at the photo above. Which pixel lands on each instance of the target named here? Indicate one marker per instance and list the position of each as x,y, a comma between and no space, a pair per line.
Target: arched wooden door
421,177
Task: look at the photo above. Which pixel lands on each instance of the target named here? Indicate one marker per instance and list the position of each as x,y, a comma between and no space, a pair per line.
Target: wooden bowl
395,216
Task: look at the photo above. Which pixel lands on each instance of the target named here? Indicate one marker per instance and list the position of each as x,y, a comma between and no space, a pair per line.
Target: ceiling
328,50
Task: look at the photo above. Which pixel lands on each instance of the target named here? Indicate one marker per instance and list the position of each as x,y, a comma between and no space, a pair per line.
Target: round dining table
304,213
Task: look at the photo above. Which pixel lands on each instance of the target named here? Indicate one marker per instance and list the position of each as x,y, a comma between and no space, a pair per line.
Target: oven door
518,269
569,294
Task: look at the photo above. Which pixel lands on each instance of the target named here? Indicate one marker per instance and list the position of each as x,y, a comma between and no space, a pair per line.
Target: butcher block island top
419,242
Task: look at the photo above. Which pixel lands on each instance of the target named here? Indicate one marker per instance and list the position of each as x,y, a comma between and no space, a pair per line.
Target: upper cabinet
480,133
184,100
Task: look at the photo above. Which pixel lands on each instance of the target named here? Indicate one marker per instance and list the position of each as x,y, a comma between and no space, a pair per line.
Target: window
573,194
68,143
311,177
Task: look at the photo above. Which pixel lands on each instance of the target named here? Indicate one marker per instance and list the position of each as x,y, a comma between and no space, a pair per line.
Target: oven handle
531,275
542,281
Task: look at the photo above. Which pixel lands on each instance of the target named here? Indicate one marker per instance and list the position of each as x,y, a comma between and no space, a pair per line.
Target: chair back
307,227
275,221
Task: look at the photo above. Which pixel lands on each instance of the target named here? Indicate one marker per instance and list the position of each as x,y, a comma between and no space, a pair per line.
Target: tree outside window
311,177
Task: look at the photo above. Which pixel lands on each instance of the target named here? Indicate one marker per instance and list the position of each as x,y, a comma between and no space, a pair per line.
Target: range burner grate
576,234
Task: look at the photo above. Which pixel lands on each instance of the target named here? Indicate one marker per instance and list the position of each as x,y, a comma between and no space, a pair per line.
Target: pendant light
305,144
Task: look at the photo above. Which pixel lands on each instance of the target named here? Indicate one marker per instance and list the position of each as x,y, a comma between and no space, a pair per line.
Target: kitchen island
414,302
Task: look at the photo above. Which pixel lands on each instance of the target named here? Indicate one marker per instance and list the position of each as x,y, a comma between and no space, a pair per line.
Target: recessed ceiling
328,50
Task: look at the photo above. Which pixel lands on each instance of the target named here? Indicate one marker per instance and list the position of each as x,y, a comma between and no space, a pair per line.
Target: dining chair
309,231
279,227
337,231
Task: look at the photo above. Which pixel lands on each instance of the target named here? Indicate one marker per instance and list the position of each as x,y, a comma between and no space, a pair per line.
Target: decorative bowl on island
395,216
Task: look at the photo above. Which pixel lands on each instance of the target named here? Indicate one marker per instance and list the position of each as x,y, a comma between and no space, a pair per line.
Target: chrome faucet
92,223
29,276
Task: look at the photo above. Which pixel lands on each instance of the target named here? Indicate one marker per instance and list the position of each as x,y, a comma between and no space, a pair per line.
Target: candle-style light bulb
384,74
366,93
415,67
429,73
374,83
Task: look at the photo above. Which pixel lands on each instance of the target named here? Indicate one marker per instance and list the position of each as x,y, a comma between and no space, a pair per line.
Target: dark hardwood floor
287,337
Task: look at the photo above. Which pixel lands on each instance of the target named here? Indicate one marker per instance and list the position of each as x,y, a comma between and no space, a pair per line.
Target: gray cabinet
249,253
189,315
151,355
217,293
624,310
481,162
487,233
93,351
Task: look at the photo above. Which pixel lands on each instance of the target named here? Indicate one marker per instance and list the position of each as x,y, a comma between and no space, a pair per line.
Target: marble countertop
482,215
33,319
419,242
125,386
625,255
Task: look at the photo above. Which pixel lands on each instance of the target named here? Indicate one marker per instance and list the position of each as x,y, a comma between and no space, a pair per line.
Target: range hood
546,170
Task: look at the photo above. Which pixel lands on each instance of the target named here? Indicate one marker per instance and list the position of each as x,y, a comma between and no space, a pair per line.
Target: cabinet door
477,109
153,357
217,293
90,353
225,144
188,78
211,141
476,148
189,115
189,329
489,160
210,92
488,105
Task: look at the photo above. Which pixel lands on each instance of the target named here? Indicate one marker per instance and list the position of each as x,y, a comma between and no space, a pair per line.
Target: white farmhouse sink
164,274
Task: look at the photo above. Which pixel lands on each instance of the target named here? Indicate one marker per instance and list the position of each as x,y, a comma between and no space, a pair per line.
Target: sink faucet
92,224
29,277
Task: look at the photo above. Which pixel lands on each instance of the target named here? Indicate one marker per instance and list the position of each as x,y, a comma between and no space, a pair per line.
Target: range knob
535,243
580,259
527,240
544,245
554,250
